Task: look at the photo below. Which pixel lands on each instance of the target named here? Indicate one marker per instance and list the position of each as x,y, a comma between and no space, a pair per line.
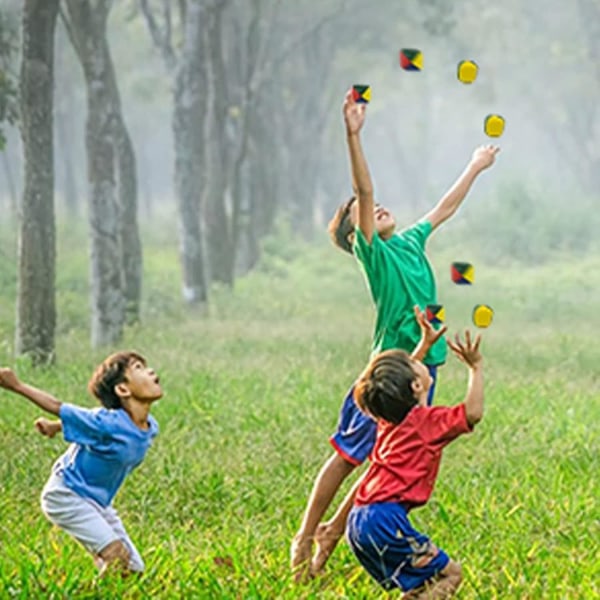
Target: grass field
252,392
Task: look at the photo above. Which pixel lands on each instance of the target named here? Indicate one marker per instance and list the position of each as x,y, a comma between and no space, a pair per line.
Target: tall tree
8,99
36,310
218,227
189,107
66,148
115,245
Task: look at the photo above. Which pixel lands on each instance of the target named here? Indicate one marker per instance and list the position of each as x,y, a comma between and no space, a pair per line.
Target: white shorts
92,525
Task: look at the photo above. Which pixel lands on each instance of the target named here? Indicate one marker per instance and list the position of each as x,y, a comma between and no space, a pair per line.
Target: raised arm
468,352
45,401
482,158
354,117
429,335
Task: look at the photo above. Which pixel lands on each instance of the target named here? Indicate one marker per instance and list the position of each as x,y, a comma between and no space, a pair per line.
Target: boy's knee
453,571
115,551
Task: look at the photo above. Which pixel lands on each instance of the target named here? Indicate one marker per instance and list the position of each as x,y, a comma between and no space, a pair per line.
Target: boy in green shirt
399,276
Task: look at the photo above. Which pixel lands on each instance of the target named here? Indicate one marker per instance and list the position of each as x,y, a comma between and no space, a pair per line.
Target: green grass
253,390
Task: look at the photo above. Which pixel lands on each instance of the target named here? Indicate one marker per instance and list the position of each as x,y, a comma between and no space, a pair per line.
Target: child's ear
416,386
351,237
122,390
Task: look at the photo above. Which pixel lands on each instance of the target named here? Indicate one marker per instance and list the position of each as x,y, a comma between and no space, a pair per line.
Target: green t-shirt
399,276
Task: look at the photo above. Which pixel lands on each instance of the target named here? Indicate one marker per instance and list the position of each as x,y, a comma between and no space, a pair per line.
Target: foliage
525,223
252,393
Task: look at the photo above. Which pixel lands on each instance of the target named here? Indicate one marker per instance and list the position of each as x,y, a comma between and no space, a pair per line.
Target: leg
328,534
398,556
433,372
135,562
441,587
115,553
329,480
353,442
84,520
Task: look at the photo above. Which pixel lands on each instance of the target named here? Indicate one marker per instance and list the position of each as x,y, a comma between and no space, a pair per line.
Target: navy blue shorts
390,549
355,435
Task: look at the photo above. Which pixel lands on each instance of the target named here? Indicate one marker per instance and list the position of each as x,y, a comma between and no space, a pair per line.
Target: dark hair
109,374
384,389
340,226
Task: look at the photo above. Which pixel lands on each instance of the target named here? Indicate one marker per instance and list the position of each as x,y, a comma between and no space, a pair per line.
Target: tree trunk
88,31
131,245
11,187
64,144
303,160
218,230
187,131
36,310
65,147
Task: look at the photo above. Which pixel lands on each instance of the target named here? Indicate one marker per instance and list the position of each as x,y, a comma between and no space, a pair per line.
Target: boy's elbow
474,416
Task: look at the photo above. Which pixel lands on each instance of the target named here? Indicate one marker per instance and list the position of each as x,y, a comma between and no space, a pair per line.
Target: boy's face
422,383
142,382
385,224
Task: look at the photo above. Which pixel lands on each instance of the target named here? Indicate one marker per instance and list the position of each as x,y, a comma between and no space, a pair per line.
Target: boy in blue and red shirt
404,465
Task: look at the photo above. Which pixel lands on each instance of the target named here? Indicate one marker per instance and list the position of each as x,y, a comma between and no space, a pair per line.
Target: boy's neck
138,411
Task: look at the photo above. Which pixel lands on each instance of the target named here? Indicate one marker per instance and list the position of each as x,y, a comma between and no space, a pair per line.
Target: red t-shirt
406,457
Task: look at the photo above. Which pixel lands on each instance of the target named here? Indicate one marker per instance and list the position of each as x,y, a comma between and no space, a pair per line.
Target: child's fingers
456,349
467,338
440,332
458,342
477,342
419,314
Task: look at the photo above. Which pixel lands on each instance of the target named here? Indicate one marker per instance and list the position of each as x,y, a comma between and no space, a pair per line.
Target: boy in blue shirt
106,445
399,276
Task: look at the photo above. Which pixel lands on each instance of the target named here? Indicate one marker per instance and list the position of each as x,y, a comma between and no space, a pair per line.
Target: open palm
354,113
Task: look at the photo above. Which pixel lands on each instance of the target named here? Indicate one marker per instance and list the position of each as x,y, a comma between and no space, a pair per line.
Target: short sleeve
445,423
418,233
366,253
82,425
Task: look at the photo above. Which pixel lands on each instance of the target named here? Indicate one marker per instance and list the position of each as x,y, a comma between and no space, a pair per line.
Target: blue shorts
356,433
390,549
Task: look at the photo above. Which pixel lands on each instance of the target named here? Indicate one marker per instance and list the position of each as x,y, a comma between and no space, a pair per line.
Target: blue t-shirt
106,446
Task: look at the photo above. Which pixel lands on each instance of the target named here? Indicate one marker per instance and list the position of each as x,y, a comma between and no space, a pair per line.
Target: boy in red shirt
404,465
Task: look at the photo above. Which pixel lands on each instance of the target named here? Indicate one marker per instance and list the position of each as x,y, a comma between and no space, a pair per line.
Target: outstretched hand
8,379
354,113
429,335
467,351
484,156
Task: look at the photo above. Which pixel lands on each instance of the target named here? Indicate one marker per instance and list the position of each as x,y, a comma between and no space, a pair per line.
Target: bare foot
300,553
326,538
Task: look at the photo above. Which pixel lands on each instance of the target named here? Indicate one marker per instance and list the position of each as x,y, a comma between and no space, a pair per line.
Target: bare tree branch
306,35
161,41
69,29
182,12
167,19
